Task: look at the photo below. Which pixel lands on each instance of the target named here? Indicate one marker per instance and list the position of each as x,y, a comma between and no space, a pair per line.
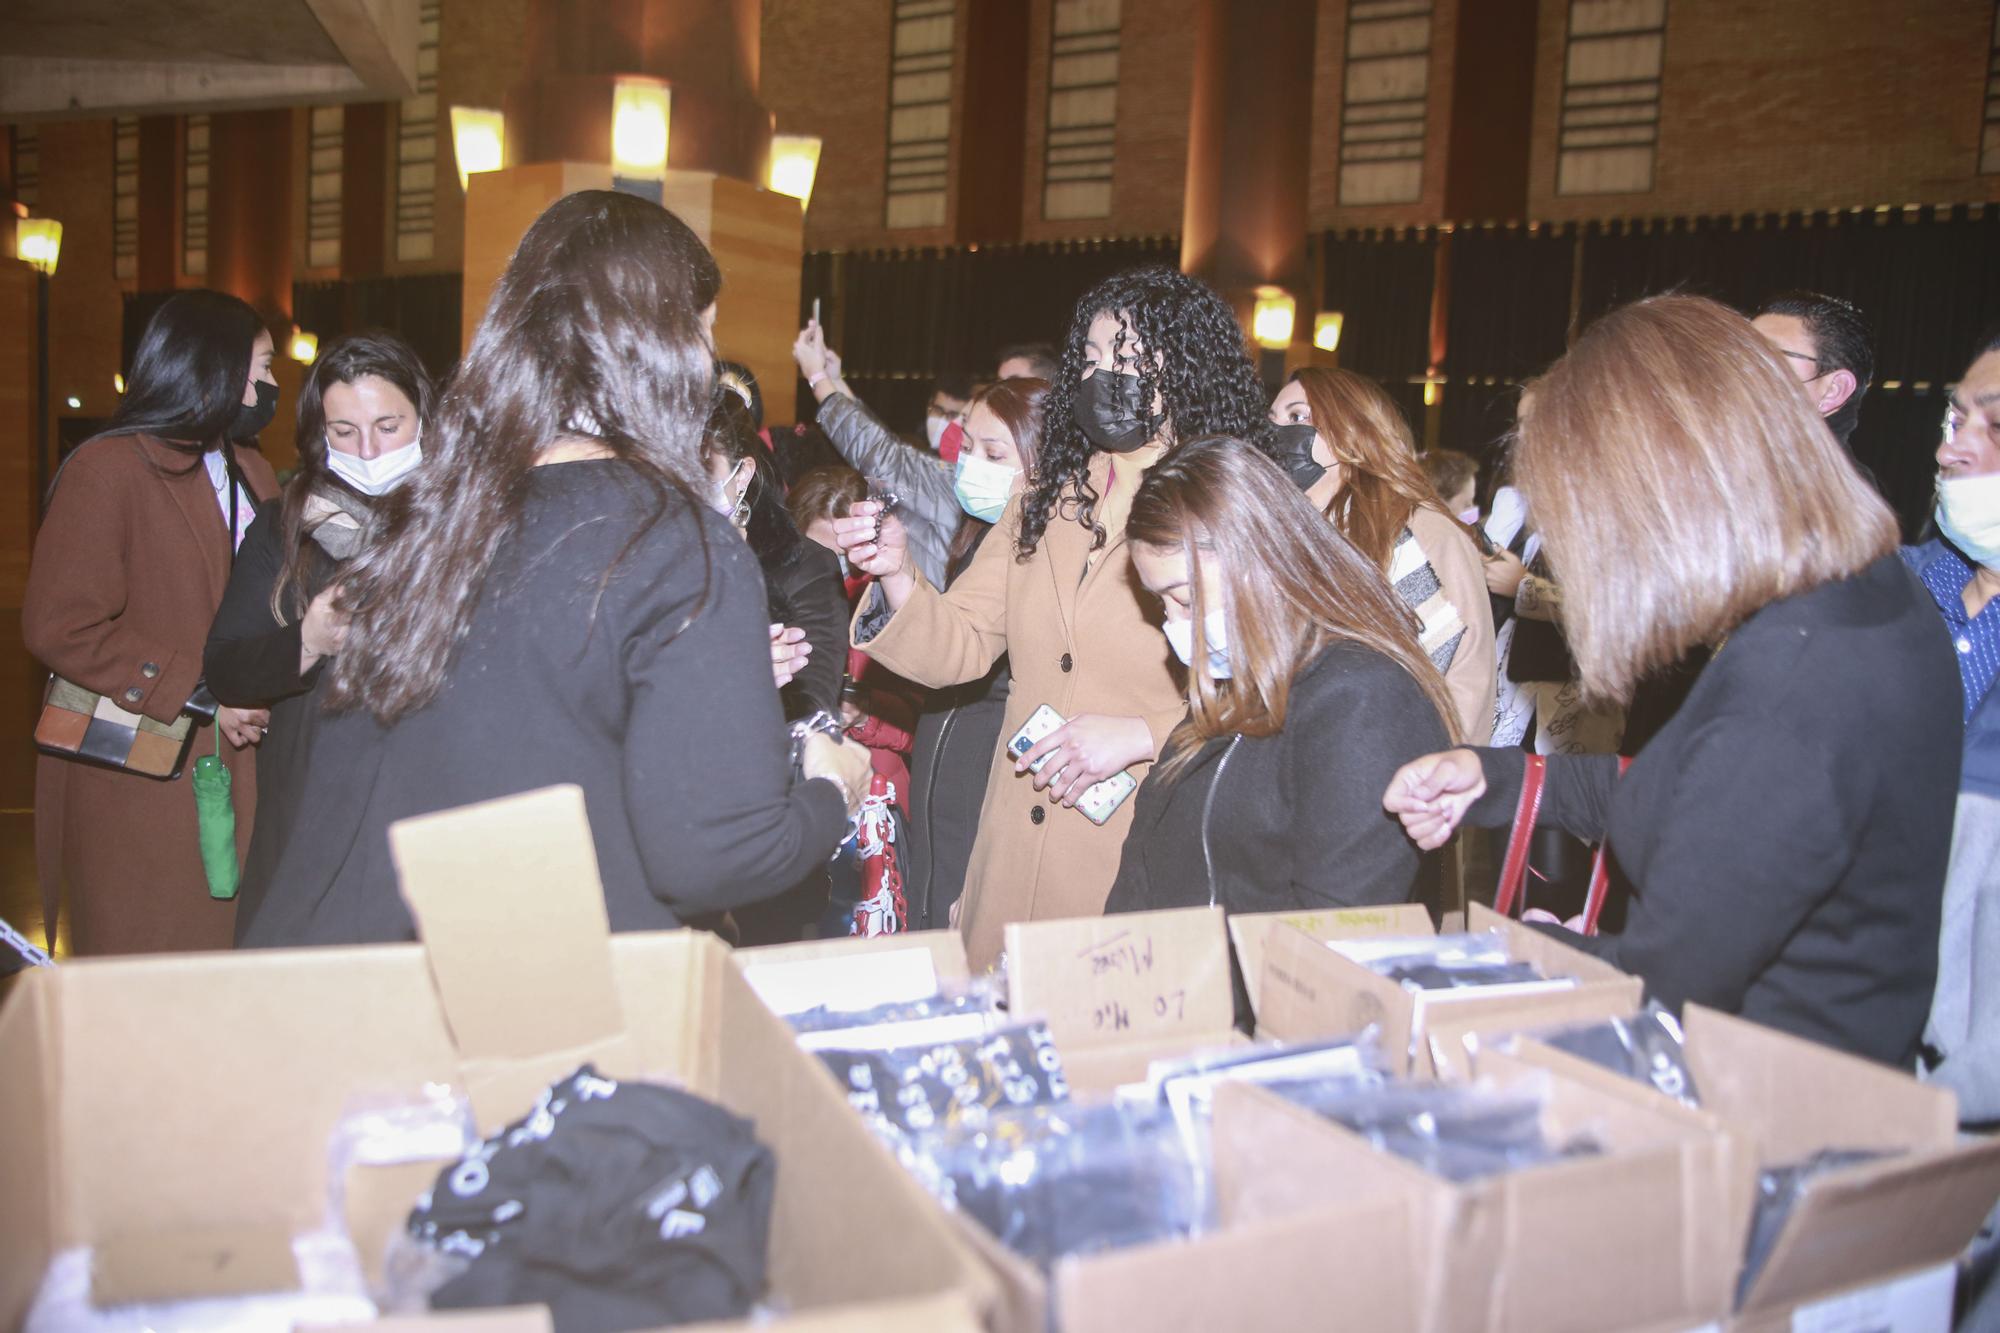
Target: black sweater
651,691
1294,820
1786,834
253,662
806,592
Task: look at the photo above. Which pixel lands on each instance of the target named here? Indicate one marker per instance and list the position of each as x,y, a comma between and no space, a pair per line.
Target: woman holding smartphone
1306,690
1152,357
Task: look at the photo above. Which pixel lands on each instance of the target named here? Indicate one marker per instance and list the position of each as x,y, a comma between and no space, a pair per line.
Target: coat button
1068,664
1037,815
150,670
134,695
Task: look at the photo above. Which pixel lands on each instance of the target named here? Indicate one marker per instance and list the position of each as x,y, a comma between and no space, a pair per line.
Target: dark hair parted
1841,339
1188,352
825,493
187,378
1041,358
594,330
353,358
732,435
1291,587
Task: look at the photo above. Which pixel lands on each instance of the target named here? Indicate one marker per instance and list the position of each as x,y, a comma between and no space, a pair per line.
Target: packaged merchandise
967,1009
1448,962
619,1205
1648,1046
1457,1133
1050,1182
915,1089
1780,1190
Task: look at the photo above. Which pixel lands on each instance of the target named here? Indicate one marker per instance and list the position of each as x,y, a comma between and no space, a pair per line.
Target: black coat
1294,820
252,661
651,691
806,591
1785,835
950,759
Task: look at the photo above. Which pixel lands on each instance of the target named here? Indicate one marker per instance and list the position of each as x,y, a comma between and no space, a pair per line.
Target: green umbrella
217,818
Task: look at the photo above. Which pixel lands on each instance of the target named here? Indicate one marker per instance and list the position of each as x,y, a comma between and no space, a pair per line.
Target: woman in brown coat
128,570
1152,357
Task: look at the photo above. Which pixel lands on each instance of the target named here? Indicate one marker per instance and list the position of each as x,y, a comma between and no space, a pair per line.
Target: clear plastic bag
1461,1133
967,1009
1443,962
1779,1191
1647,1047
1053,1181
436,1126
330,1293
916,1089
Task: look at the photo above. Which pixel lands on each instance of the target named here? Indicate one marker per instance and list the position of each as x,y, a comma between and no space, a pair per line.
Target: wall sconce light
75,403
305,347
641,114
1326,330
118,384
1272,317
794,164
38,243
478,140
1430,393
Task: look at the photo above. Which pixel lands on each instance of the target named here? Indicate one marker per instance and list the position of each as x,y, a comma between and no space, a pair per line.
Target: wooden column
992,165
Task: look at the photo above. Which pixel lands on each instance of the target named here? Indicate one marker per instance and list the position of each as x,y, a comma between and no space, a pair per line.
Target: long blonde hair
1681,480
1381,482
1291,586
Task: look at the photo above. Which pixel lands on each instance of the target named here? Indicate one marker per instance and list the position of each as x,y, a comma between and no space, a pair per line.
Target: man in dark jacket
1827,344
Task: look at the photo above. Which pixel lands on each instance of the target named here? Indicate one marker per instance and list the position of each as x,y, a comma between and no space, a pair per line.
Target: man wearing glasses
1826,343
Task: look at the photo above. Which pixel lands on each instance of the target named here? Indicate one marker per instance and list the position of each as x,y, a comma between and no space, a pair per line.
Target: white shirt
246,508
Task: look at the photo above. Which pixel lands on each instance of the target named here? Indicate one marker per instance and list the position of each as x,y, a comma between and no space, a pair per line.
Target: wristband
816,380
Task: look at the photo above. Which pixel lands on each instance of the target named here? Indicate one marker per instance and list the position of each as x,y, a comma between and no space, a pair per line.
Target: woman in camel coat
1152,356
128,570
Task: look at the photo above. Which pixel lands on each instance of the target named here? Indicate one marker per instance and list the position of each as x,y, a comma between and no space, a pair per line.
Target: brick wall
86,308
1782,104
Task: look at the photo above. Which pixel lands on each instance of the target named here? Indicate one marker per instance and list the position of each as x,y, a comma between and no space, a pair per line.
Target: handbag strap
1514,868
1600,873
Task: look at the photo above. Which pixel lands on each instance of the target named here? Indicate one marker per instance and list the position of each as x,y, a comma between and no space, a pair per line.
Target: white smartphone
1099,800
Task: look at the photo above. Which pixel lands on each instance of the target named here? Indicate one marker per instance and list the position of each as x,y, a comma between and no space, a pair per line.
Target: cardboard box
1786,1099
1310,991
1249,932
182,1106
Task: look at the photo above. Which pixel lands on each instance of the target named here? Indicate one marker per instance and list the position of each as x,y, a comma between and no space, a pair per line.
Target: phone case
1100,800
1039,724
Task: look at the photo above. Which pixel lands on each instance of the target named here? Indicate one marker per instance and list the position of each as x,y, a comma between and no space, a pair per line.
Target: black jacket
950,760
651,691
805,591
1294,820
1785,835
252,661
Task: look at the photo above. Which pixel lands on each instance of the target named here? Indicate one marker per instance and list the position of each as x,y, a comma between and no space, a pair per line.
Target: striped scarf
1411,575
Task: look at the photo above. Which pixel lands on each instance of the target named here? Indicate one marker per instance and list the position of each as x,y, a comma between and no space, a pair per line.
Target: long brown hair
355,357
1291,586
594,330
1681,480
1381,482
1018,402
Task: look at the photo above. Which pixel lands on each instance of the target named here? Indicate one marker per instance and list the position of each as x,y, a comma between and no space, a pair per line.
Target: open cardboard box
1785,1099
1624,1238
175,1112
1249,932
1310,990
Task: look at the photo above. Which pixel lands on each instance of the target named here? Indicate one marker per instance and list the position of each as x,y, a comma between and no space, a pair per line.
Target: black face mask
1842,420
1106,410
1292,450
253,417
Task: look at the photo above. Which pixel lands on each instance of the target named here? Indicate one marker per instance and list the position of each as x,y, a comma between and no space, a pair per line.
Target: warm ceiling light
305,347
1271,319
478,140
75,403
1326,330
794,164
38,242
641,111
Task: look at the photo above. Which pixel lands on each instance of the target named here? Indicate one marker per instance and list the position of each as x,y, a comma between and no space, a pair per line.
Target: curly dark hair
1204,382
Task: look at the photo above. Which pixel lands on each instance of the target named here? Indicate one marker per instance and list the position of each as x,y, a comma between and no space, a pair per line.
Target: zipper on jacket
1207,809
930,815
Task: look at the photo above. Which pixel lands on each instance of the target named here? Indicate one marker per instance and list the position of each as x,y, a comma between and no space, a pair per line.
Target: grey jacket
921,481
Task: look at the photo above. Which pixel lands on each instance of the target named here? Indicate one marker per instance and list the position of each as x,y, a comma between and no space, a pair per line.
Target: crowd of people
1123,630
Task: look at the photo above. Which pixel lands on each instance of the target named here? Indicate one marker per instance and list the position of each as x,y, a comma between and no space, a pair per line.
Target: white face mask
1968,513
1469,516
1214,630
378,475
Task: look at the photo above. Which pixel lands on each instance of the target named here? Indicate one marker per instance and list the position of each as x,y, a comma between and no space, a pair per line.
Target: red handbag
1514,868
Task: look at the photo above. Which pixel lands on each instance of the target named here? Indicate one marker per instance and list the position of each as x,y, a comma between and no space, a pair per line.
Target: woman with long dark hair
129,567
361,414
551,600
1306,690
1152,357
1345,443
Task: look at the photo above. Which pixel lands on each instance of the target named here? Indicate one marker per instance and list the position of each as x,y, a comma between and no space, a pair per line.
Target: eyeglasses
1812,361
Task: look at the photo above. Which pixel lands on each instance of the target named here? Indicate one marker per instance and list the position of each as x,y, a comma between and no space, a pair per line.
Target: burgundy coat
128,570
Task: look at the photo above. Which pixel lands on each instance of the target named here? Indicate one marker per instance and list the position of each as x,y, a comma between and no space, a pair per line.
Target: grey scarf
338,520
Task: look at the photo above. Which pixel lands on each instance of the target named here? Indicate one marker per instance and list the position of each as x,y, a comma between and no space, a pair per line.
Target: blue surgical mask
982,486
1968,514
1214,631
